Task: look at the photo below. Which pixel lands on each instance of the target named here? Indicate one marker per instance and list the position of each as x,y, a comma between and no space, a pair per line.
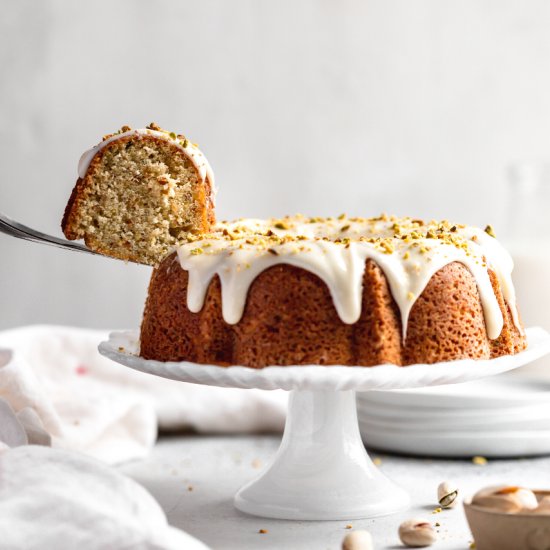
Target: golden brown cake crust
67,226
290,319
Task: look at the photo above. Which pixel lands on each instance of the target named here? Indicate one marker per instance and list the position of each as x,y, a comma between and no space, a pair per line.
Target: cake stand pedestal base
321,470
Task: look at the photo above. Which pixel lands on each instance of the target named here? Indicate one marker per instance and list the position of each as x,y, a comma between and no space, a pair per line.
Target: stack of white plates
502,416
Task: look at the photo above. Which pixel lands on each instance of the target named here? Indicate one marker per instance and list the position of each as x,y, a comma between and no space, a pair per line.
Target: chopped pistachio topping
408,237
490,231
281,225
154,127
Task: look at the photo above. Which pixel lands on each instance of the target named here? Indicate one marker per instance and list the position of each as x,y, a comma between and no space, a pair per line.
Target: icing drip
501,263
409,253
191,151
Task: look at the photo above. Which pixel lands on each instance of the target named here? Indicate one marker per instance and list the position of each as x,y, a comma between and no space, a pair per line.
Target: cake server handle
15,229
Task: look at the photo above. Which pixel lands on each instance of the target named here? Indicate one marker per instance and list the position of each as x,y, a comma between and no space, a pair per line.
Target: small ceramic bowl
500,531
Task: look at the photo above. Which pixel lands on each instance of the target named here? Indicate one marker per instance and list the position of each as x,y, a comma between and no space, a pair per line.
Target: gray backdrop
313,106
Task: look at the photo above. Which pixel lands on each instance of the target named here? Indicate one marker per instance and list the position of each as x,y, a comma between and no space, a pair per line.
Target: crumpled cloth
64,392
51,498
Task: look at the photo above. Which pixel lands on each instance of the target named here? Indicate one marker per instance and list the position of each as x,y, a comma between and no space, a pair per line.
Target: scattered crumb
437,511
237,458
377,461
437,524
479,460
256,463
349,526
190,488
263,531
120,348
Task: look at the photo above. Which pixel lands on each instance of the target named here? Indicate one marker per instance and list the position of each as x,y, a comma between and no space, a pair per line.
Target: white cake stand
322,470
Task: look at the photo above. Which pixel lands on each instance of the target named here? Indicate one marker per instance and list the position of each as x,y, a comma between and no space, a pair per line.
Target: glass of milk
527,237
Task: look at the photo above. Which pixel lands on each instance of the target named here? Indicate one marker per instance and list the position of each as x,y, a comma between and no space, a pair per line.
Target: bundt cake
333,291
291,291
139,193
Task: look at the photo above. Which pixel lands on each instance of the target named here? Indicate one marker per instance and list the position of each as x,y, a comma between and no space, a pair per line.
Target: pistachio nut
357,540
417,533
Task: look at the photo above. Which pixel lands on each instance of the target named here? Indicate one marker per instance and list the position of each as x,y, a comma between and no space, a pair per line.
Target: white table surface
194,479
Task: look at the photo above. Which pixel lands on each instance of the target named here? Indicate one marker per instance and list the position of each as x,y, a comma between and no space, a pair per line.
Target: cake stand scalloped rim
122,347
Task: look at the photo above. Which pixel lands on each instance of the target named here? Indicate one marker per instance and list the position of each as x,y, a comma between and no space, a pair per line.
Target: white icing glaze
191,151
501,263
239,251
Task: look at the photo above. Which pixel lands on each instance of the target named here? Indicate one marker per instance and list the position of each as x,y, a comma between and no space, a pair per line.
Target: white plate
497,392
411,415
506,415
414,413
450,424
459,444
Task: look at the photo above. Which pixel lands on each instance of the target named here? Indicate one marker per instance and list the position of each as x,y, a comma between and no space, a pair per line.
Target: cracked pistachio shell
447,494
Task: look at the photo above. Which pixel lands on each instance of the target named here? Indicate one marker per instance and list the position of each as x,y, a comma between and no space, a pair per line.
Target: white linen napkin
51,498
60,387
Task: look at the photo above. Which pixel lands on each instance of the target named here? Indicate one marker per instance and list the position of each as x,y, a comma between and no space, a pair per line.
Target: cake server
20,231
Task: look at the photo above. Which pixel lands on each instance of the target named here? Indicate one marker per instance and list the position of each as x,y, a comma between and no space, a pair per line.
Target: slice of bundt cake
333,291
139,193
